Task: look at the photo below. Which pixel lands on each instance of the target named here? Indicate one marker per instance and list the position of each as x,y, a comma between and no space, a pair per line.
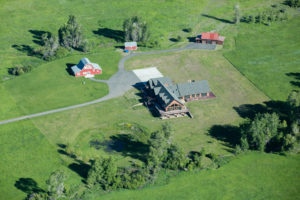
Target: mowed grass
252,176
267,55
50,85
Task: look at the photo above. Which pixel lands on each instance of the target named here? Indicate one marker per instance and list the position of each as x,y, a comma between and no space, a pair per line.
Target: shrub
19,70
61,52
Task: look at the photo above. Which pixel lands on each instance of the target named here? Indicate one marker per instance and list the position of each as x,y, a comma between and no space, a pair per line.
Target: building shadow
230,135
117,35
125,144
191,39
218,19
296,76
69,69
28,185
145,98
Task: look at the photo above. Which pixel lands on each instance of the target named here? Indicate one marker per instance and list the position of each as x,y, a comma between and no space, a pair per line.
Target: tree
237,13
135,30
293,102
175,158
55,184
103,171
50,46
70,34
261,130
293,3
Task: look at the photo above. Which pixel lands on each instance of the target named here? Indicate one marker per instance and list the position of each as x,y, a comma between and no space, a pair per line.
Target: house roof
209,36
168,92
221,38
197,87
130,44
82,63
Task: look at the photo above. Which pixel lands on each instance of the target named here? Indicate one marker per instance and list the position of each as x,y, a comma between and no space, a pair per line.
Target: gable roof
209,36
168,92
161,89
82,63
196,87
130,44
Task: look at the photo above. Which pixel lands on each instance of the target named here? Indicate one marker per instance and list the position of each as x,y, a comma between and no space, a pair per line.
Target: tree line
267,132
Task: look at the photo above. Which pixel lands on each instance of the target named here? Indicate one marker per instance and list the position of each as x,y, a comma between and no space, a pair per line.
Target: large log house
170,99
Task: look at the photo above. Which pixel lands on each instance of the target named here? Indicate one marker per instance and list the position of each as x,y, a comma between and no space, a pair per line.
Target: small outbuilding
86,68
130,46
210,38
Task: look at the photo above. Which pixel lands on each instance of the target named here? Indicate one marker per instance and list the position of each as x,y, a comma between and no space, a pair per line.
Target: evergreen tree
70,34
50,47
135,30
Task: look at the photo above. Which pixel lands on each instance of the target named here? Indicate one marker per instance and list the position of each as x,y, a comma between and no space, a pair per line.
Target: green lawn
252,176
266,55
50,85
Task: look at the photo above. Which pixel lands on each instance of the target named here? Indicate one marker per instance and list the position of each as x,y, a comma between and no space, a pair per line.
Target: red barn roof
209,36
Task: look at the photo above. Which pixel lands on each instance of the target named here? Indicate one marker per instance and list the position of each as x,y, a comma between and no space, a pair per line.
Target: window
204,94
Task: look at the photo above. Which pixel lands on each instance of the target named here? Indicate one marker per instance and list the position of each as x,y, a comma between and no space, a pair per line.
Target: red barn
210,38
130,46
86,68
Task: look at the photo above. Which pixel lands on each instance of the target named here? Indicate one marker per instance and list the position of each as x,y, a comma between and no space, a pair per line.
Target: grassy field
271,62
252,176
79,128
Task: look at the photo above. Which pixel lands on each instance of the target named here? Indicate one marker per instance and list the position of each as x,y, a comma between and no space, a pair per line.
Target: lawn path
119,83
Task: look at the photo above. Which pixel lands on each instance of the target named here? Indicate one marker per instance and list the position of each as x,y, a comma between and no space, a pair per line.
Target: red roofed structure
210,38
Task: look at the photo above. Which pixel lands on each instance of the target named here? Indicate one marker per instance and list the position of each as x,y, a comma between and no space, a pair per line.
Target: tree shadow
125,144
117,35
81,168
69,69
218,19
38,36
296,76
229,134
28,185
250,110
173,40
25,49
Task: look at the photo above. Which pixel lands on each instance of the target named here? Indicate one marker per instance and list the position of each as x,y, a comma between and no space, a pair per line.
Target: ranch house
210,38
86,68
169,98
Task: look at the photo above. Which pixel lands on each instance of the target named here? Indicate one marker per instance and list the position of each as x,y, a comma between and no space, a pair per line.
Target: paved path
118,84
